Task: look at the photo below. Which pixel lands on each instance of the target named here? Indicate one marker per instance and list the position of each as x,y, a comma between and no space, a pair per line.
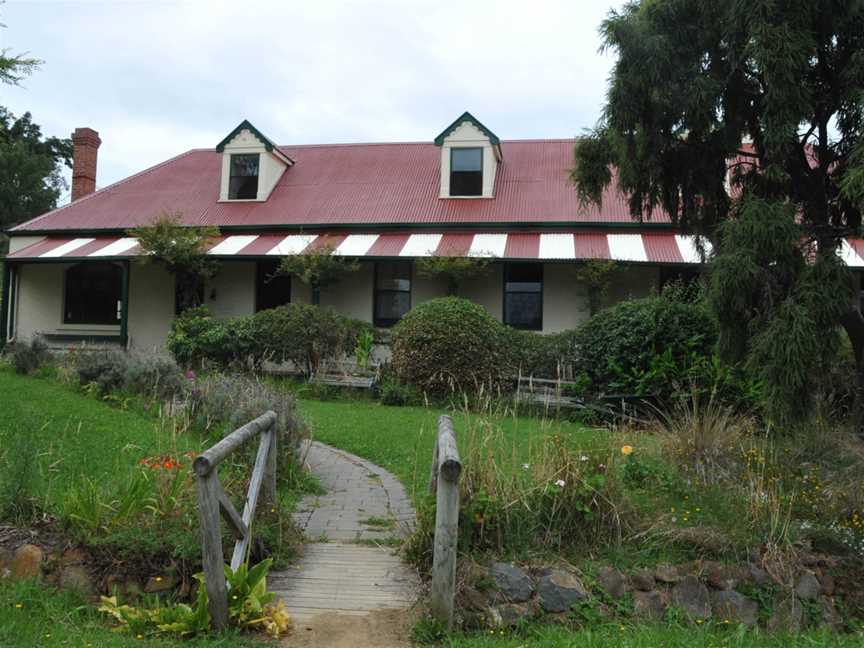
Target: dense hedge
300,333
644,346
449,345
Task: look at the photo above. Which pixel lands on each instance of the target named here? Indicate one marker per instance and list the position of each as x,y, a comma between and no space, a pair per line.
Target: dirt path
345,591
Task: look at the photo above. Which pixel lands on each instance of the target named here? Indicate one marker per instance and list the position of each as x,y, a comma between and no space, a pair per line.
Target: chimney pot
85,145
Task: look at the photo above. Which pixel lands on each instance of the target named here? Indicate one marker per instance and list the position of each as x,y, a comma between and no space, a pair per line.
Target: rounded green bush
449,345
644,346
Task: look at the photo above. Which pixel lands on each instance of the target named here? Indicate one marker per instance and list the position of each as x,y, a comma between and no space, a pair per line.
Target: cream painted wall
270,167
20,242
353,295
232,291
565,300
151,306
632,281
487,290
467,135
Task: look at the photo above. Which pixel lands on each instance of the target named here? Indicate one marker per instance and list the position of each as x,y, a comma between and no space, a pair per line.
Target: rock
156,584
560,589
643,580
471,598
612,581
788,616
649,605
509,614
830,616
27,562
692,597
74,556
827,581
667,574
75,577
808,587
722,577
758,576
514,585
734,607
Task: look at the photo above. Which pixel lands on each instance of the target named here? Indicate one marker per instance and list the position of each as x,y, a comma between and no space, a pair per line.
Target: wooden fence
444,482
212,502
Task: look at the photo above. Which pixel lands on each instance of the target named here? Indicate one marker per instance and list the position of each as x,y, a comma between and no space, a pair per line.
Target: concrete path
348,568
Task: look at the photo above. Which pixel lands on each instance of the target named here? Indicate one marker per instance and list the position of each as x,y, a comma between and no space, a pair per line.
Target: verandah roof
648,247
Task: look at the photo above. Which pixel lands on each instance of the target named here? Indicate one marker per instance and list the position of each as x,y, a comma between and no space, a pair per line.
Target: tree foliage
181,250
743,122
31,167
318,268
453,270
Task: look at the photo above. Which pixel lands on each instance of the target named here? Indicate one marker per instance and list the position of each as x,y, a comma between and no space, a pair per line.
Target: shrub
303,334
27,357
644,346
113,370
306,335
449,345
540,355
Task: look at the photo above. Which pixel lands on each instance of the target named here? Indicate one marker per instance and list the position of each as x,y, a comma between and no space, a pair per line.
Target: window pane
390,306
243,183
394,275
524,277
93,293
466,159
523,310
272,289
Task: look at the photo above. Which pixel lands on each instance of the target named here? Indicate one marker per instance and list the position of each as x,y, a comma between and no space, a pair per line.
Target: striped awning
652,247
645,247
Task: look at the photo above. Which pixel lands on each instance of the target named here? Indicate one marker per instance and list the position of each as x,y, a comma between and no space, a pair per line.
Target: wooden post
448,468
270,471
6,313
211,549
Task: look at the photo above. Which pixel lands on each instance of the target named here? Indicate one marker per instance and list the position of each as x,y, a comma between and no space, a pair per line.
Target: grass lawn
76,435
48,618
401,439
650,636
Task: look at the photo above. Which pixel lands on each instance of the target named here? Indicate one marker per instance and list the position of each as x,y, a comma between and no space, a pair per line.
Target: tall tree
31,169
743,122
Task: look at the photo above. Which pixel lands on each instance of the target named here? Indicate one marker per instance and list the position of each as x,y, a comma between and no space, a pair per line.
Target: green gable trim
466,116
268,145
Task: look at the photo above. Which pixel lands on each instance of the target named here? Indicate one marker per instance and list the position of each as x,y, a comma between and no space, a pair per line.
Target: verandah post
124,306
5,302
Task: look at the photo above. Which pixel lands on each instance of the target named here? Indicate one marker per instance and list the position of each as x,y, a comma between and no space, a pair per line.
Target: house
74,274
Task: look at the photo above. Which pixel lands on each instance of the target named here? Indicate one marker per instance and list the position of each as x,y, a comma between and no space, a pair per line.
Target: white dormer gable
470,154
251,165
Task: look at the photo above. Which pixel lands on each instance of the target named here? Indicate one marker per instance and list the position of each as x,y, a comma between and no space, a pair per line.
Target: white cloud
156,79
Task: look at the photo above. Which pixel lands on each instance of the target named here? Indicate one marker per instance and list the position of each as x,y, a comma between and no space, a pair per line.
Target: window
93,294
392,291
466,172
523,295
243,184
271,288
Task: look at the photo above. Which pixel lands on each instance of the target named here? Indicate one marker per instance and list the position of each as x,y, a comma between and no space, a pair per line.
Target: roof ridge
110,186
419,143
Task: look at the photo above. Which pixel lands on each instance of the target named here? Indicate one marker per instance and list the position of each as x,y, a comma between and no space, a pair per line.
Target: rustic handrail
444,482
212,501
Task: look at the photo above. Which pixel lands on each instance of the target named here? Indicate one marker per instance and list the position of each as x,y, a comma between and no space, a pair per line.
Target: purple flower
190,375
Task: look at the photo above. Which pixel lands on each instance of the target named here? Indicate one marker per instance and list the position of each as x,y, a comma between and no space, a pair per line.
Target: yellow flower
626,450
19,605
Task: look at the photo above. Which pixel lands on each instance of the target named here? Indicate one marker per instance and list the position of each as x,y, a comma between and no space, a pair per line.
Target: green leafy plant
363,348
27,357
182,250
318,268
453,270
597,275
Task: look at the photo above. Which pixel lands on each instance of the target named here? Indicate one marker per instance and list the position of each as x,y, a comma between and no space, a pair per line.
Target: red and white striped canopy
644,247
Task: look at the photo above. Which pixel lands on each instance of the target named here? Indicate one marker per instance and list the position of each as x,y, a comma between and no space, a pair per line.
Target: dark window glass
271,288
466,172
93,294
392,291
188,293
523,295
244,177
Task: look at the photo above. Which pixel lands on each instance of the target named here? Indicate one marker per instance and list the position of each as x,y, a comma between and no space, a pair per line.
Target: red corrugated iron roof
373,185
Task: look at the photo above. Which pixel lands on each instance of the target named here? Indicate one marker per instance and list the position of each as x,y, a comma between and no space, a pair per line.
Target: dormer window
243,184
466,171
251,164
470,155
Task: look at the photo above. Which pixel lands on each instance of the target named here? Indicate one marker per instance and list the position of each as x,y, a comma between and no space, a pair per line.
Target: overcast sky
158,78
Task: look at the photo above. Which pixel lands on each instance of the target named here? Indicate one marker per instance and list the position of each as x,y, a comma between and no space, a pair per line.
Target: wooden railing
444,482
212,501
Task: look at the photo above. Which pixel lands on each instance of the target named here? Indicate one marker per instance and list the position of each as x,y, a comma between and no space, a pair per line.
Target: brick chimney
85,143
